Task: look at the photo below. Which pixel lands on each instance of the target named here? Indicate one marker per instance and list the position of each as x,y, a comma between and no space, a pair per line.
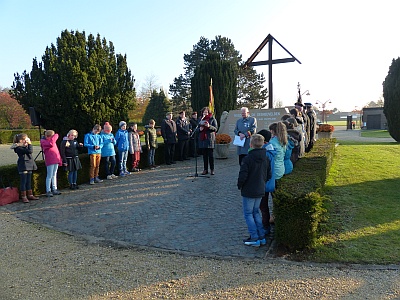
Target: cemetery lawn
363,224
375,133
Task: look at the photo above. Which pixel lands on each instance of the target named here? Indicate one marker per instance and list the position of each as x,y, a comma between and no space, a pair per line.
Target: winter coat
209,141
122,140
279,166
295,136
183,129
25,160
247,126
254,172
51,153
271,153
168,131
69,154
109,142
150,136
134,142
288,153
91,140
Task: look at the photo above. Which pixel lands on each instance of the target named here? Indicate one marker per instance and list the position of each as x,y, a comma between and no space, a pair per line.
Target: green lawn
364,212
375,133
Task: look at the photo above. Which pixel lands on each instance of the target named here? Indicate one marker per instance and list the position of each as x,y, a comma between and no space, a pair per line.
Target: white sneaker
110,177
114,176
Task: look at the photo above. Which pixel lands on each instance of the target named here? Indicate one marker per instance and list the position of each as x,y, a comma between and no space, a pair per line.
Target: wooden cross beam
249,63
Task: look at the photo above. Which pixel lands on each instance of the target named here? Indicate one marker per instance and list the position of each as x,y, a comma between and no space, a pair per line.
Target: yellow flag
211,104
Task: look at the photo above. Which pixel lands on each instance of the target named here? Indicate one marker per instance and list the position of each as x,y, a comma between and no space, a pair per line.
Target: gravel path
40,263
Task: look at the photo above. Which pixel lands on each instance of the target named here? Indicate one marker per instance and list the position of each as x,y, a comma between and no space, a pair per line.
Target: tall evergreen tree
250,90
78,83
224,84
391,94
157,108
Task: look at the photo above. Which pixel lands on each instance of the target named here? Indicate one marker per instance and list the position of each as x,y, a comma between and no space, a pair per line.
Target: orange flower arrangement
141,132
222,138
325,128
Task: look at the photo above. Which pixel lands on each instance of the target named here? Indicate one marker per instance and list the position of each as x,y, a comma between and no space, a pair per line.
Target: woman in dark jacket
206,139
26,164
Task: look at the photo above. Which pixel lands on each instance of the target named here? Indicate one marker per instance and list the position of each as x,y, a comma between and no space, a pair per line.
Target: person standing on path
150,137
245,128
52,159
70,157
168,132
183,130
22,146
254,173
207,129
94,142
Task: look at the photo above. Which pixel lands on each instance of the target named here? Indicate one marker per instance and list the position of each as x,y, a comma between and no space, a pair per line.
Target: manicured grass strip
364,220
375,133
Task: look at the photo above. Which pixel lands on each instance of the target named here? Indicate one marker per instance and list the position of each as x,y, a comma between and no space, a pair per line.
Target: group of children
100,143
268,160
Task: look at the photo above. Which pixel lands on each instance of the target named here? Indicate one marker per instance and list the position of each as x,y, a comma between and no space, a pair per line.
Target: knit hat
107,127
122,123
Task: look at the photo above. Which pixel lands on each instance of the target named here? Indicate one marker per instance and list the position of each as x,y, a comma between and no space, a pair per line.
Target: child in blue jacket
122,142
94,142
108,151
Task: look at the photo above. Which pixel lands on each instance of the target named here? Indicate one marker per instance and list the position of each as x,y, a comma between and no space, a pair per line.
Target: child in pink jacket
52,160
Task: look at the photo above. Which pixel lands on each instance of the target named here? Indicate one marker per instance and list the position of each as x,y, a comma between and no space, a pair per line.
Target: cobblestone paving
165,208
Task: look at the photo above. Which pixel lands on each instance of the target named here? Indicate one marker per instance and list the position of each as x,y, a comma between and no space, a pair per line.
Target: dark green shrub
299,202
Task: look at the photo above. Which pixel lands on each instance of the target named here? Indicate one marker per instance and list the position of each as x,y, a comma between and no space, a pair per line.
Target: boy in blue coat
94,143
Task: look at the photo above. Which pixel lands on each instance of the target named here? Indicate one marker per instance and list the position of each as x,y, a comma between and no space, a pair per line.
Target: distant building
373,118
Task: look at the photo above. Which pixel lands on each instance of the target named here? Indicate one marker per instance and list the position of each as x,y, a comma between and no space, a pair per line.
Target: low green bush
299,204
7,136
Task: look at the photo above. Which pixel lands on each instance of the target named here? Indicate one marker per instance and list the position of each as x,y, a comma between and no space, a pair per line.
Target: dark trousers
183,148
241,156
208,157
109,164
169,153
265,211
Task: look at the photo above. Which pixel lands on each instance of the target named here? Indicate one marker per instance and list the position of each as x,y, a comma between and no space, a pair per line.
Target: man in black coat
168,132
183,130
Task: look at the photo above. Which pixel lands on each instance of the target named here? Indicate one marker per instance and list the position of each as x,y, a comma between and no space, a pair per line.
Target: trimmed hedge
299,201
7,136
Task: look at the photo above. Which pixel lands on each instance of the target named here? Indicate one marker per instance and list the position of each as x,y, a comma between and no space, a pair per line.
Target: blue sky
345,47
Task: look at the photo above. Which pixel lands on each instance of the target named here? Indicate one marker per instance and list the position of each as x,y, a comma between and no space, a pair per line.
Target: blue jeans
51,178
26,181
109,164
72,177
152,153
123,157
252,215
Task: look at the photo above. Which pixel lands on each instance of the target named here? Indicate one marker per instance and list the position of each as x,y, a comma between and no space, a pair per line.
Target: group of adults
192,136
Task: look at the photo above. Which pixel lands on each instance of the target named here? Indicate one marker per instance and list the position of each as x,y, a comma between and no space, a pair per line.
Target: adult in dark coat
168,132
312,116
183,130
206,140
192,142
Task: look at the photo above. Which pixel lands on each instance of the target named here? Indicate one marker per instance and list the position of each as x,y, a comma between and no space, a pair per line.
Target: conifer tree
77,84
391,94
224,84
157,108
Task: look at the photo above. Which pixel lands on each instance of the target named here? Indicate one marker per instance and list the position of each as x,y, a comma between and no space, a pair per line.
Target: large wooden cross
269,62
